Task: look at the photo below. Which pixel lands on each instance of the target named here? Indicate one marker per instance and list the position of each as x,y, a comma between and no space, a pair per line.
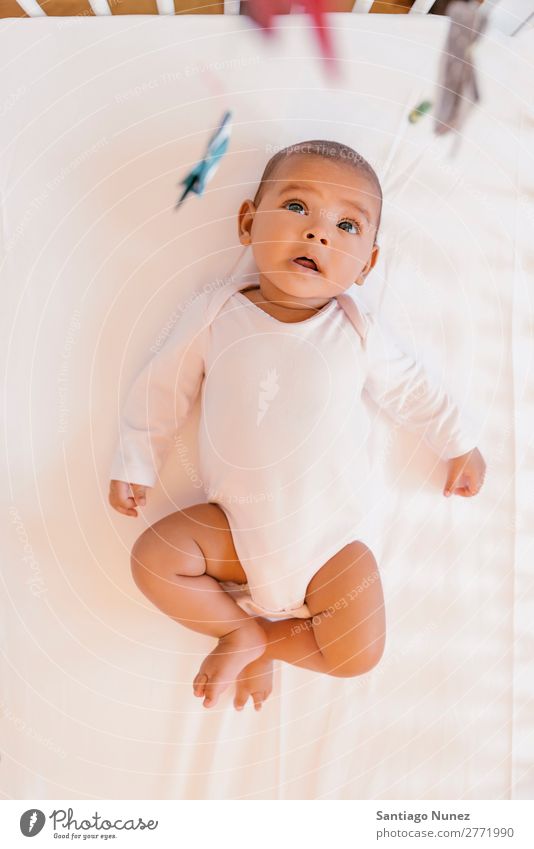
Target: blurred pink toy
262,12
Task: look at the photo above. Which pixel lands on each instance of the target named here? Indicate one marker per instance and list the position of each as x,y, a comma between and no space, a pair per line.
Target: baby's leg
178,563
345,635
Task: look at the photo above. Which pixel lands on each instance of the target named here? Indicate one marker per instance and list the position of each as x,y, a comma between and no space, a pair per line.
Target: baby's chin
303,285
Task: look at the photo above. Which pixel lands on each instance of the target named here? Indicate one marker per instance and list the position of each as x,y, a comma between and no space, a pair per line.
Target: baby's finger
126,511
120,494
473,484
139,495
122,503
451,484
119,500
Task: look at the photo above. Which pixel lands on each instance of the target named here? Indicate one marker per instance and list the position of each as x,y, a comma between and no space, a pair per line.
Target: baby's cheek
351,261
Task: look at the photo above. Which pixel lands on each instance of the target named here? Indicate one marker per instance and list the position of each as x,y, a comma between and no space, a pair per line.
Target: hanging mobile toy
458,90
204,170
417,113
262,11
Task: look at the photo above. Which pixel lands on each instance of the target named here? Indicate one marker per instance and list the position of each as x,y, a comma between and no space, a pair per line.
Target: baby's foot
222,666
254,680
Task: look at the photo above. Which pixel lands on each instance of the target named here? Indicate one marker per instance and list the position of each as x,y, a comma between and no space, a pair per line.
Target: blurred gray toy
458,90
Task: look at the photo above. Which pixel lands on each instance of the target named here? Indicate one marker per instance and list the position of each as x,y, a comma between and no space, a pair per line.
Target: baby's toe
240,700
199,684
259,698
212,692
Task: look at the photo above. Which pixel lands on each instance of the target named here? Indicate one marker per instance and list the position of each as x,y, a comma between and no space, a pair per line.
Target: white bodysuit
282,433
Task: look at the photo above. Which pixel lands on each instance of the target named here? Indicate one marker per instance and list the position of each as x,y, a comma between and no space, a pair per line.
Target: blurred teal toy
200,175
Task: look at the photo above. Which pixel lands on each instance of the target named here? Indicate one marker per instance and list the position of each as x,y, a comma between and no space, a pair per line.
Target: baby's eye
288,204
351,223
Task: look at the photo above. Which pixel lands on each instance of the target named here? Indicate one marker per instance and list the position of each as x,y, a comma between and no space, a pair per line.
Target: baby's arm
157,405
401,385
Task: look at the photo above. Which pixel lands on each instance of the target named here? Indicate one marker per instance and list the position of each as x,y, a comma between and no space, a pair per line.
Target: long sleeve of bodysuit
160,398
402,386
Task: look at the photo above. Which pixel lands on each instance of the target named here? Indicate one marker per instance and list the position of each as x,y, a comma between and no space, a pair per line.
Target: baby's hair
319,147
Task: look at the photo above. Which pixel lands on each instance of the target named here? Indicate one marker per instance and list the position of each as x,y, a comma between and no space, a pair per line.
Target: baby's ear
371,262
374,256
245,217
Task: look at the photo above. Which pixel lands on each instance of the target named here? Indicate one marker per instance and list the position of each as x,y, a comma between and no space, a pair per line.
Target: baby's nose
318,235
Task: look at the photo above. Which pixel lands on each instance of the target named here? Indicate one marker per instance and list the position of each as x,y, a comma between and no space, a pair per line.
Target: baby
272,564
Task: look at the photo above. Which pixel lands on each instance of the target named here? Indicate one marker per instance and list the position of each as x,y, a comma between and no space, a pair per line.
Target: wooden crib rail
36,8
512,15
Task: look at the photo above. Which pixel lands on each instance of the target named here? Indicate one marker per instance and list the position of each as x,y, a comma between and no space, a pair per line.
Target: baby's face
317,208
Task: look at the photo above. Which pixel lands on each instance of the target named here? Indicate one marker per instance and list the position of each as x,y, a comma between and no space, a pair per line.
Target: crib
99,119
509,16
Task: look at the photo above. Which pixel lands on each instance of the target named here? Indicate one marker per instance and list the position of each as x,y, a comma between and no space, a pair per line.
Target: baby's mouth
306,262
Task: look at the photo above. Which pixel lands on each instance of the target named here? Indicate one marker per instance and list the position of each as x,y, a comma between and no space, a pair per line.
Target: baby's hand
465,474
124,497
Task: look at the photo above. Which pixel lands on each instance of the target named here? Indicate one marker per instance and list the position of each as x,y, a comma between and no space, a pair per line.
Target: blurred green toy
417,113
